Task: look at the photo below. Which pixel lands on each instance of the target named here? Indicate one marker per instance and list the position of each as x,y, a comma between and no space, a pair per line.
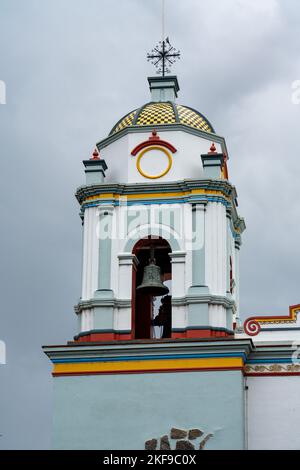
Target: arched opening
151,314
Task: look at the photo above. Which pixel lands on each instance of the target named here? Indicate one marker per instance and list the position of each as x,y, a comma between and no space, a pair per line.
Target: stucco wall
186,161
273,413
124,411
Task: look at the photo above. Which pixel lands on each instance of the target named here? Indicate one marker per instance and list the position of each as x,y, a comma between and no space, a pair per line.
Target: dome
163,113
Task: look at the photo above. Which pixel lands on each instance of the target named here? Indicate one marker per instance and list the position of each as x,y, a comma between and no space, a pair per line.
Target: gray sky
72,68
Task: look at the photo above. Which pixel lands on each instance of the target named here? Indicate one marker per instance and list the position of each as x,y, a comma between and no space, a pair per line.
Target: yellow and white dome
163,113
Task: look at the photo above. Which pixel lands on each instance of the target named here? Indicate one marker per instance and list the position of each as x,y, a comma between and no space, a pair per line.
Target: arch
151,312
144,231
153,140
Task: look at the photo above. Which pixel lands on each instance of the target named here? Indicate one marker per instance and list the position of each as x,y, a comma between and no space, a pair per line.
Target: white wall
90,253
216,248
187,162
273,413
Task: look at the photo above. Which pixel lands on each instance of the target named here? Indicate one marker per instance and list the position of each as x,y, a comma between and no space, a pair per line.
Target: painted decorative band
140,366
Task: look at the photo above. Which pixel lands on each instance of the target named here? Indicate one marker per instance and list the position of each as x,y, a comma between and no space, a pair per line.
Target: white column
178,273
90,258
179,319
237,281
126,262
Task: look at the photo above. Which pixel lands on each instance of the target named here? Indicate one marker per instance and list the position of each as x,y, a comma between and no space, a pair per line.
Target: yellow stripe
284,319
156,195
159,365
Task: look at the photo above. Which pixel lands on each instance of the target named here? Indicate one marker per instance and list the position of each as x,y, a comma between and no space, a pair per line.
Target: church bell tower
155,362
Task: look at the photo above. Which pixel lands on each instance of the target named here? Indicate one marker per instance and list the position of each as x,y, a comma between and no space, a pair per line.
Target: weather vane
163,56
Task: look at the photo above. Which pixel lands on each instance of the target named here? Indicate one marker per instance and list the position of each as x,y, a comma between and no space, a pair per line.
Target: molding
145,357
134,129
201,328
187,185
97,163
177,257
182,301
178,192
128,259
267,370
94,303
253,325
212,160
205,299
169,81
153,140
95,332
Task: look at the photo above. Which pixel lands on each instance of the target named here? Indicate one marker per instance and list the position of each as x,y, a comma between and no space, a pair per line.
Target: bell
152,283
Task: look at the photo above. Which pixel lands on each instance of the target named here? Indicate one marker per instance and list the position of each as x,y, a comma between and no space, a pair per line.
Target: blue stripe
149,358
147,202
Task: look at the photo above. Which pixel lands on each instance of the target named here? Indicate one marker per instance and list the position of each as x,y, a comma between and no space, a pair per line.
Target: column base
104,294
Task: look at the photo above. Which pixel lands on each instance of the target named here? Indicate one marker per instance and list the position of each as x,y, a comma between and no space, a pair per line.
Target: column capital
199,206
128,259
104,210
177,257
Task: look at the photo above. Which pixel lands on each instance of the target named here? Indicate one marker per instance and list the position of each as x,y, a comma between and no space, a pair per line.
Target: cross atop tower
163,56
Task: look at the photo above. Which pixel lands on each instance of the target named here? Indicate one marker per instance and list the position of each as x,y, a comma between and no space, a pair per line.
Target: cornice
205,299
97,194
141,348
161,127
94,303
122,189
186,300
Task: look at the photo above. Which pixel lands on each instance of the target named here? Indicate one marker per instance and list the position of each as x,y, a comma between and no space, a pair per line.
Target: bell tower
155,361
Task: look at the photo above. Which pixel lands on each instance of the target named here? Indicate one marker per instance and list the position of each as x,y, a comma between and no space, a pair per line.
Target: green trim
204,298
101,302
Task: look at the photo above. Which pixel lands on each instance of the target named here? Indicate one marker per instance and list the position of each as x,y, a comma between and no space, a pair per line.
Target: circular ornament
146,173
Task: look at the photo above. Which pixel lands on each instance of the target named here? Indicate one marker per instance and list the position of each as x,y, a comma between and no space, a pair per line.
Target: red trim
99,337
194,334
276,374
153,140
252,326
165,371
226,167
133,300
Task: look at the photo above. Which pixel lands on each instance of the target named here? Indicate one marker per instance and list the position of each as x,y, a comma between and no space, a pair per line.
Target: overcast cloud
72,68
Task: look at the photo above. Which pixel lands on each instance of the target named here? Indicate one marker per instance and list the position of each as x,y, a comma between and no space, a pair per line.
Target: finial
163,56
212,149
154,135
95,155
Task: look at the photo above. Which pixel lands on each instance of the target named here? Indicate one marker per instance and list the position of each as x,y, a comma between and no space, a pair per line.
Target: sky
72,68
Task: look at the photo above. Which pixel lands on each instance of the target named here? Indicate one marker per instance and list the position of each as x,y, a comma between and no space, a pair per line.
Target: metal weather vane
163,56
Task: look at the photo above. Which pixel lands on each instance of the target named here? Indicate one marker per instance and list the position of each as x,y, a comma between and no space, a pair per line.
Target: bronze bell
152,283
